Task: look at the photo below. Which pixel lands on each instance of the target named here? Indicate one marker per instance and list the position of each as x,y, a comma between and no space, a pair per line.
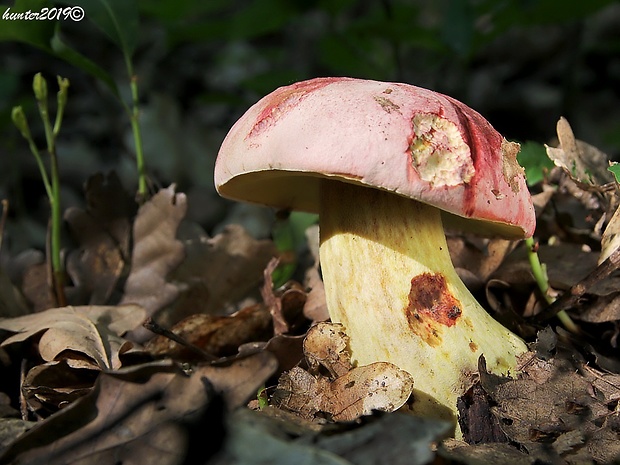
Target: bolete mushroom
386,165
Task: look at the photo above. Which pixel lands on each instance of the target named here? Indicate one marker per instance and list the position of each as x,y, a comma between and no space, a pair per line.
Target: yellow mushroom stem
390,281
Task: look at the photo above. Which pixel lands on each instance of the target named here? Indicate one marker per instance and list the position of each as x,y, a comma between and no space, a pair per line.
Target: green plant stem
37,155
540,275
54,199
134,116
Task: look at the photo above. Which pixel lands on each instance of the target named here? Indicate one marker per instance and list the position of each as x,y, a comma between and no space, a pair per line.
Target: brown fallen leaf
273,303
315,308
326,345
610,241
36,287
54,385
584,163
217,273
555,405
219,336
480,257
94,331
102,232
156,252
484,454
378,386
347,393
145,414
75,344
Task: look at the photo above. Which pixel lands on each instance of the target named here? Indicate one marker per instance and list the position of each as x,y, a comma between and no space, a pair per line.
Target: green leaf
36,33
288,235
45,35
118,19
614,167
62,50
533,157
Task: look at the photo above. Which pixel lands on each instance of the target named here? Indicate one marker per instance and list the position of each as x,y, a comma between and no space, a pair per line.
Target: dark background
201,64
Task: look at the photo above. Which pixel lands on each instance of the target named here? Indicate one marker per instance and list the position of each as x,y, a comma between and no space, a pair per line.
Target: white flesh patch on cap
439,153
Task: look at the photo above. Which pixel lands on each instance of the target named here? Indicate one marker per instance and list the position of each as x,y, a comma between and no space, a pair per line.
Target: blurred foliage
200,64
533,157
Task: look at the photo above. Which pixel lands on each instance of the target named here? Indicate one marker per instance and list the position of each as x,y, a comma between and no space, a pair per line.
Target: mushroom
386,165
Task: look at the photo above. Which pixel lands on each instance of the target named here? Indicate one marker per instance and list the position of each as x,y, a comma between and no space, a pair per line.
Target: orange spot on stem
431,307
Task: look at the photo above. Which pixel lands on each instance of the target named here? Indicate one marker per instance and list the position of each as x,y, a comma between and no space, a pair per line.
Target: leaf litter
241,372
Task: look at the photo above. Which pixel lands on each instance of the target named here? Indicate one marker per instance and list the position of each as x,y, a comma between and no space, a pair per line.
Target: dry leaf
378,386
556,405
93,331
484,454
584,163
348,393
37,288
326,344
220,336
144,415
218,272
156,252
102,231
273,303
611,237
53,385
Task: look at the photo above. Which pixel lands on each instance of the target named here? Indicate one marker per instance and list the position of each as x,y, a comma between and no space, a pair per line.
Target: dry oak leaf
150,413
378,386
94,331
156,252
348,393
218,272
326,344
558,406
102,231
584,163
220,336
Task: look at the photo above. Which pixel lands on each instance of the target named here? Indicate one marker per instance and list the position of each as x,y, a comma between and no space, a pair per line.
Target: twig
160,330
23,404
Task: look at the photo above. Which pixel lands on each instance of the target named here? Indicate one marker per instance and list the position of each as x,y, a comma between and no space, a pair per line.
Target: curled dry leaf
610,241
378,386
220,336
53,385
326,344
93,331
156,252
348,393
143,415
273,303
584,163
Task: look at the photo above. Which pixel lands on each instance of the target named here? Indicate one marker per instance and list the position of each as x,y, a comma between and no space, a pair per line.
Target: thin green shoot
542,280
51,181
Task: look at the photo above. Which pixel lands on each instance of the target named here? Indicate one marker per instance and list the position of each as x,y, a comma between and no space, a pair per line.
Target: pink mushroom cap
396,137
